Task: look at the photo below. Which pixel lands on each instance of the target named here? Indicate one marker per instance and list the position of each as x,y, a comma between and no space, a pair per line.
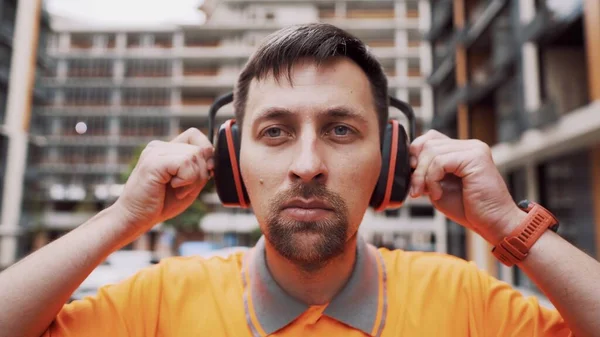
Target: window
90,68
412,10
9,14
417,211
81,41
78,96
145,126
564,184
3,157
414,98
456,239
148,68
146,97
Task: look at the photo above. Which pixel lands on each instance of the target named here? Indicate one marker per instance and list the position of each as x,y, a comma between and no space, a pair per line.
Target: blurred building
524,77
17,94
115,89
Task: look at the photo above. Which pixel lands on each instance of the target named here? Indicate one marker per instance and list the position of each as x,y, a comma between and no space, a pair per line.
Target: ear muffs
391,188
394,178
228,180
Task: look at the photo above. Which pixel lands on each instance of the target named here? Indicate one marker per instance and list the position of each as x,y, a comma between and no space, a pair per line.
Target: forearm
569,278
33,291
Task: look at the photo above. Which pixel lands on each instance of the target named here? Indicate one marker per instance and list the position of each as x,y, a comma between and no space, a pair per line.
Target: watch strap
515,247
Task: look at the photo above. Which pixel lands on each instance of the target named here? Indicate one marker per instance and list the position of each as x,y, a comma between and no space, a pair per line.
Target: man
311,103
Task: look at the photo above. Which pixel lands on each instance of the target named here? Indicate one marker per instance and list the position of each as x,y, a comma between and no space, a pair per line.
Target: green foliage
189,219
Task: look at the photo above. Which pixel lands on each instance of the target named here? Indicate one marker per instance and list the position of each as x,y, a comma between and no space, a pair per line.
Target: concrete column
61,70
340,9
142,243
400,10
115,98
178,40
531,67
18,109
118,70
441,235
176,98
120,43
425,62
64,42
177,70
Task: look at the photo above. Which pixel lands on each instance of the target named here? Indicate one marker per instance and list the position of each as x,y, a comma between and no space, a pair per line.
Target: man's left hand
462,181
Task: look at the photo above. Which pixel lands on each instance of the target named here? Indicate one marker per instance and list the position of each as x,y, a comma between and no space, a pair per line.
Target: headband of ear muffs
389,193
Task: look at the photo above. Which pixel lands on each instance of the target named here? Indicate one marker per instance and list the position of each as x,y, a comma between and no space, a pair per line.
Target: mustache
307,191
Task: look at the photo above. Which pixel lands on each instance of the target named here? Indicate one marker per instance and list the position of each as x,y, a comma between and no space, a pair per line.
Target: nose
308,165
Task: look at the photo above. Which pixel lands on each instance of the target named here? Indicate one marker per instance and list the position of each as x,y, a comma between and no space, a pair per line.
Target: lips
307,204
306,210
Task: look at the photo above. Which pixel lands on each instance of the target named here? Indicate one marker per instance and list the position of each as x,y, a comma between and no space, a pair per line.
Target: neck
314,287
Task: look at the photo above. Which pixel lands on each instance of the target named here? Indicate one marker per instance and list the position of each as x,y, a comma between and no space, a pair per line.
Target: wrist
122,224
505,228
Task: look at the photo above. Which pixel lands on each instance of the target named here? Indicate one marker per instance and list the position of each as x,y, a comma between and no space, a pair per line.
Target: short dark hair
319,41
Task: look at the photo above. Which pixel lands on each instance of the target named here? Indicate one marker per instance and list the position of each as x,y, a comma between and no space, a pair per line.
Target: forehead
337,82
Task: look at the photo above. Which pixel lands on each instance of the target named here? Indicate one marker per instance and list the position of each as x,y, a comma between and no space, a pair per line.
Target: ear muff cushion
228,180
402,173
394,178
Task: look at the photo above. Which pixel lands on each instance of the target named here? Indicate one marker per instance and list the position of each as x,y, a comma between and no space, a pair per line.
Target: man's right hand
166,179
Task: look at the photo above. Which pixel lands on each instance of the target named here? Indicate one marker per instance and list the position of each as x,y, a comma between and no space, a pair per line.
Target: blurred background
86,84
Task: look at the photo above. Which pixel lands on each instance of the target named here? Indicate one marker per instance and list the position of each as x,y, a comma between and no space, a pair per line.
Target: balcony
201,111
64,220
489,77
441,19
213,83
395,82
81,168
549,24
489,11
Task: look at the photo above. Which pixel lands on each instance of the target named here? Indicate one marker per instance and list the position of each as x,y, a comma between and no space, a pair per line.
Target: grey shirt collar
356,305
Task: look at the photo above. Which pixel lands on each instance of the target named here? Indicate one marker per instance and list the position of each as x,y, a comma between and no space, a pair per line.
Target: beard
308,244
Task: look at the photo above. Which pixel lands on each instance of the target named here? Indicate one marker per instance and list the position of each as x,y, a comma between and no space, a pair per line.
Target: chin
308,244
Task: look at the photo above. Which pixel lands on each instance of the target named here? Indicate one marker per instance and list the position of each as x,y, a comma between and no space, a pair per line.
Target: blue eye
341,130
273,132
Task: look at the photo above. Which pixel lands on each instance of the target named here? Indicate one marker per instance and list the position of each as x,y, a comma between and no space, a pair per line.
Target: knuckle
481,146
154,143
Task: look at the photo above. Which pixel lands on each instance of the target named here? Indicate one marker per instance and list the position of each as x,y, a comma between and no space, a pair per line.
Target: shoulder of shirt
425,261
198,266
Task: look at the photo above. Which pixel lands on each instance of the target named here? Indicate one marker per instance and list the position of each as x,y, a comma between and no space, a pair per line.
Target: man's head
312,104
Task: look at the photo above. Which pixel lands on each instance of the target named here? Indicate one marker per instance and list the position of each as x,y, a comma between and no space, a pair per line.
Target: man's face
310,158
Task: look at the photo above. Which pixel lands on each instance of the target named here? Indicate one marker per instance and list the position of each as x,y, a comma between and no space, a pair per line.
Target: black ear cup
394,179
228,179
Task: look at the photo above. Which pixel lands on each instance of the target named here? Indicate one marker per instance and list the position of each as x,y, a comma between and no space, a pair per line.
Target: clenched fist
166,179
462,181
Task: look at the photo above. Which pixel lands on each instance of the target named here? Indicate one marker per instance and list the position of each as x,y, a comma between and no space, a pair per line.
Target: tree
188,220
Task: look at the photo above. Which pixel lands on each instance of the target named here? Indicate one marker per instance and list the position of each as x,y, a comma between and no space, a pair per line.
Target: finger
442,164
189,192
429,151
183,192
191,169
193,136
416,146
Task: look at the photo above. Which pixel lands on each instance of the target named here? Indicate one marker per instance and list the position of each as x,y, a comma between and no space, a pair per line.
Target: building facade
115,89
524,77
19,91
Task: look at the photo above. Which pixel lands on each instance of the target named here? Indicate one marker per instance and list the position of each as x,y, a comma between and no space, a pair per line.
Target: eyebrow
340,112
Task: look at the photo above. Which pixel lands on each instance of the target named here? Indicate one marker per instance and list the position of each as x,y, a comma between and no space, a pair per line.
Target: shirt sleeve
128,308
508,313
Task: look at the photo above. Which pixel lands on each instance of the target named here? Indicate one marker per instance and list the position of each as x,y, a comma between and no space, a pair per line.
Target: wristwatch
515,247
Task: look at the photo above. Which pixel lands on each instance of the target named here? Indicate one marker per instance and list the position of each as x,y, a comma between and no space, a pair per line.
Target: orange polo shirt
390,293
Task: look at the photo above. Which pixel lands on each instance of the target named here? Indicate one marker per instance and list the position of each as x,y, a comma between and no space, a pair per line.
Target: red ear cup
394,179
228,180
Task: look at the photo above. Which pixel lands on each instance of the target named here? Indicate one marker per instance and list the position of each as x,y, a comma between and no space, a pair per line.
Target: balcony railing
370,14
